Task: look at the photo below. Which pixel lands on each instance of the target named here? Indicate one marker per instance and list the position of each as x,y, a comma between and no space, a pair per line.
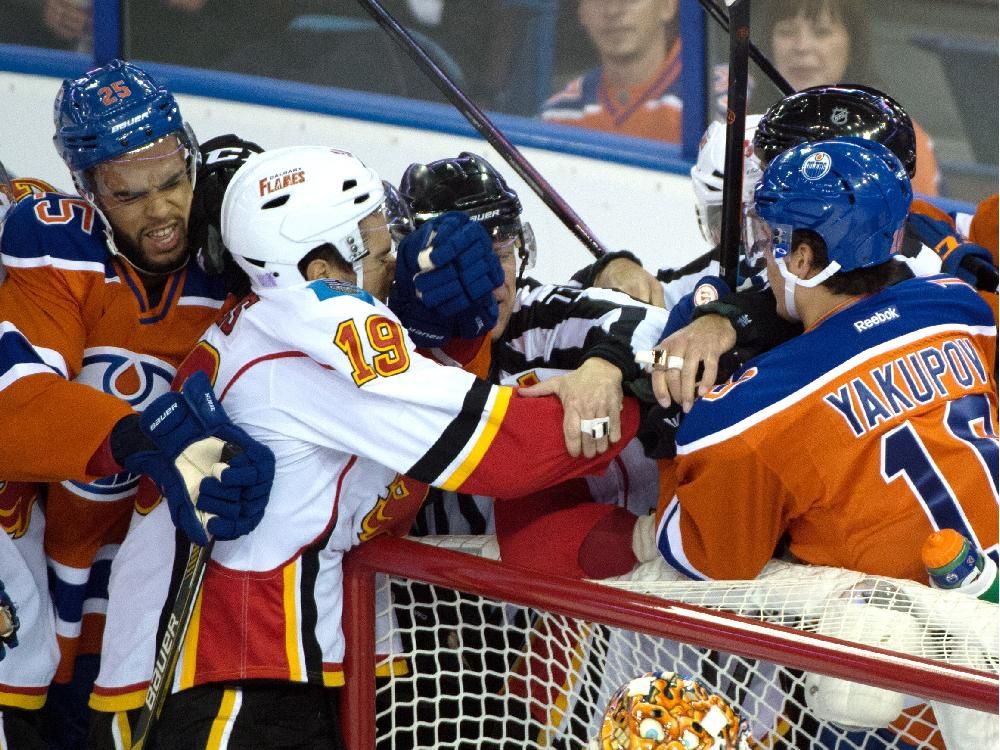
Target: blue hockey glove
8,623
451,264
181,438
446,272
967,261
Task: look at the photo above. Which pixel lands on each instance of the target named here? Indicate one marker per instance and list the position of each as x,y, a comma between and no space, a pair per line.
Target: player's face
146,195
623,30
811,51
506,250
379,265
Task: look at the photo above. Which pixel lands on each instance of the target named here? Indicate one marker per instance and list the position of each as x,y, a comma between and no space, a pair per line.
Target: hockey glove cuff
178,441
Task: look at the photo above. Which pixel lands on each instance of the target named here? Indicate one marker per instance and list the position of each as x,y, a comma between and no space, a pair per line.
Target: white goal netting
482,672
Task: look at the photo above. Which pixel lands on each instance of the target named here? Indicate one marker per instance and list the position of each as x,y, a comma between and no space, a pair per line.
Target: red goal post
586,618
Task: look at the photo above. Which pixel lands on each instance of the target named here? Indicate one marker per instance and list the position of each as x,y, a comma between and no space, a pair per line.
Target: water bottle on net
953,563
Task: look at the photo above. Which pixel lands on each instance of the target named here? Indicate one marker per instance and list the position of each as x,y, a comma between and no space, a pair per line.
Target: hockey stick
736,112
487,129
169,649
756,55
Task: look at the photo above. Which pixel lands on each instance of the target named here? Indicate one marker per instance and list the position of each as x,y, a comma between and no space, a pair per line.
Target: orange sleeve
927,180
54,425
984,229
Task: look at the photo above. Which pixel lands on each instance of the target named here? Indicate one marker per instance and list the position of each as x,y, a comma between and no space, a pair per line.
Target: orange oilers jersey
75,316
328,379
857,438
650,110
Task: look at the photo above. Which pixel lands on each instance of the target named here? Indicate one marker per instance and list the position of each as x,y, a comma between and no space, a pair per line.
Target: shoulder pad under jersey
54,225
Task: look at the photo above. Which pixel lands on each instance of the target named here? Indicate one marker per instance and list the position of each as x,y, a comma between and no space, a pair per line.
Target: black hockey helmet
820,113
469,184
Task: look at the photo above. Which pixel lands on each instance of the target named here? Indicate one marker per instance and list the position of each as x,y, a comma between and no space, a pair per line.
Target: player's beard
142,262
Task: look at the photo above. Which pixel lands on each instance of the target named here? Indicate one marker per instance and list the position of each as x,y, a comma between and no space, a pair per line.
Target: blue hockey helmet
852,192
111,111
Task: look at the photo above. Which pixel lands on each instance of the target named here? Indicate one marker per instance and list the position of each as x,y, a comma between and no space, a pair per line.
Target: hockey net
492,656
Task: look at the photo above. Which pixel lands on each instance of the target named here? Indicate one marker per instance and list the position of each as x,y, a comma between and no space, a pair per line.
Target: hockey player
99,306
579,344
750,321
859,437
319,369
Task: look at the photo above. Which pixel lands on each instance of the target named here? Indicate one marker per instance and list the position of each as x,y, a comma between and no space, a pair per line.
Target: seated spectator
636,89
820,42
58,24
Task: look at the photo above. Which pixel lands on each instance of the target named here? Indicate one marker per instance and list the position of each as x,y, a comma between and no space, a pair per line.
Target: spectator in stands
821,42
854,438
636,89
59,24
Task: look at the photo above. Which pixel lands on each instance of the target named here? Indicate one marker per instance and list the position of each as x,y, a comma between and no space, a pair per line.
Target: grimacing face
146,195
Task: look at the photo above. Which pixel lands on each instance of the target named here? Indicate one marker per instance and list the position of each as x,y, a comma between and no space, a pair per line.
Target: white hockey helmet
708,171
283,203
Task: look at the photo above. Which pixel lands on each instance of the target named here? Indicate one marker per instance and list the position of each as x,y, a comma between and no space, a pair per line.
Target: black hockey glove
220,158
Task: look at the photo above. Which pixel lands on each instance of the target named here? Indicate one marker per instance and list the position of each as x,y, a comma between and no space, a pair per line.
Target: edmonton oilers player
99,306
862,435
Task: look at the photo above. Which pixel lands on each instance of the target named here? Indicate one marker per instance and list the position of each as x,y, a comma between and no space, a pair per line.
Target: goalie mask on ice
283,203
664,711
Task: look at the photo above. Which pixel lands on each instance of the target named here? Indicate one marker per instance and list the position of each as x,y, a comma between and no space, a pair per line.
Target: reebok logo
882,316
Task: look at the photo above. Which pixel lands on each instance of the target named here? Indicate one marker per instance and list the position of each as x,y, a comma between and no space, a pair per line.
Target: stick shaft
732,186
486,128
168,650
756,55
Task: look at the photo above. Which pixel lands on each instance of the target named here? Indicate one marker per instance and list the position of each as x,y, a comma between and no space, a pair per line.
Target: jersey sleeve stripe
486,436
11,261
455,437
668,540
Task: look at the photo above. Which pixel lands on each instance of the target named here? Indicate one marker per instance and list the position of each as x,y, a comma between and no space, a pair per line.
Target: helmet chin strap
792,281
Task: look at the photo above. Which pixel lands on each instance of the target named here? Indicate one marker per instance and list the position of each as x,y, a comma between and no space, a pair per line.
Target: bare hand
631,278
700,343
67,19
591,391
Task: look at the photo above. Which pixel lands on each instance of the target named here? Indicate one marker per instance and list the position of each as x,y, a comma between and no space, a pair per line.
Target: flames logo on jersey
134,378
17,500
403,497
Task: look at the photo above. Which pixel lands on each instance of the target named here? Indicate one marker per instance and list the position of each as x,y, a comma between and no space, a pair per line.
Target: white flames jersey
329,380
